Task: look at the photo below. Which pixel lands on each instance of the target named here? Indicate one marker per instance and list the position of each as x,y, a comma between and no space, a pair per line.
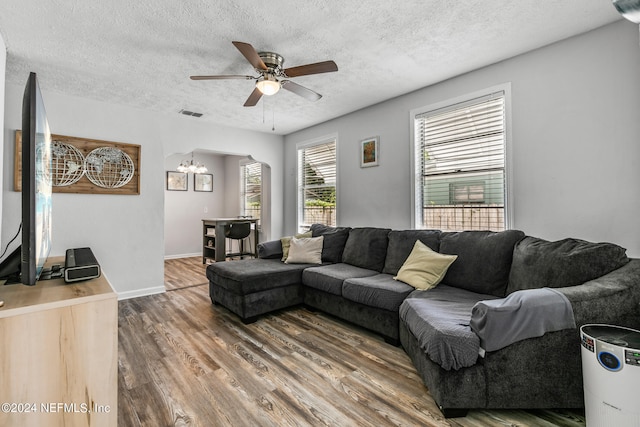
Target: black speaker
80,264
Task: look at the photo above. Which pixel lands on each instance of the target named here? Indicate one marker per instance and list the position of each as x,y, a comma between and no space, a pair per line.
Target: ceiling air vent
190,113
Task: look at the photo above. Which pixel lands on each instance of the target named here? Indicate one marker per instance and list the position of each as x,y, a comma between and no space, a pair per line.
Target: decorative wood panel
84,185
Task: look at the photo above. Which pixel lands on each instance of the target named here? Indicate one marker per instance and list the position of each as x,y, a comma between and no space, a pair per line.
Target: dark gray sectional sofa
499,331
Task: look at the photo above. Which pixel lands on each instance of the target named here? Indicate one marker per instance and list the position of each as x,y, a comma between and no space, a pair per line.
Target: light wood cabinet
59,354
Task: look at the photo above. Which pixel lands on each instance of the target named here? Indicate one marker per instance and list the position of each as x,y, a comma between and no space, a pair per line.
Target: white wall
575,142
126,233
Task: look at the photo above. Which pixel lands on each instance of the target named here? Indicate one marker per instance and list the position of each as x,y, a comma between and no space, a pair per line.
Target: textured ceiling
141,53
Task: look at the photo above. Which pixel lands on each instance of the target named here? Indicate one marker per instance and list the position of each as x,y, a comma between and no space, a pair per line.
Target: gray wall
575,142
126,233
184,210
3,66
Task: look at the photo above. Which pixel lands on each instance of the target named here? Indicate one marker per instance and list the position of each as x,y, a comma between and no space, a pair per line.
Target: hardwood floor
184,272
186,362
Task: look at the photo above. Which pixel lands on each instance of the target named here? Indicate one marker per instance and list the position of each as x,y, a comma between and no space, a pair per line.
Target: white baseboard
183,256
141,292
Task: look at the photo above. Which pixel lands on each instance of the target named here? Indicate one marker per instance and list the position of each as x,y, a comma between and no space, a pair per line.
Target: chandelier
189,166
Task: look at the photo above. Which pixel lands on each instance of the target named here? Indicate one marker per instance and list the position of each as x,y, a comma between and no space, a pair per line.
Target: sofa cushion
424,268
334,241
539,263
254,275
305,250
484,259
329,278
366,247
401,244
439,320
379,291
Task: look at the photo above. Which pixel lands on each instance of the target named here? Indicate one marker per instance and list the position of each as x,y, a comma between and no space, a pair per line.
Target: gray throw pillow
539,263
366,247
484,259
401,243
334,241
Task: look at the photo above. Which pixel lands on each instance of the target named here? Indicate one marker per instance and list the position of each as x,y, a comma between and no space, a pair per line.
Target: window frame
416,153
327,139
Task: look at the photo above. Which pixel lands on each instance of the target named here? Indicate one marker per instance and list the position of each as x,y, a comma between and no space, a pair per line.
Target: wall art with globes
87,166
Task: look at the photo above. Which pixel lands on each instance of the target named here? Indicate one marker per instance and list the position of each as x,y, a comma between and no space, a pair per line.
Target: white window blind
317,185
251,189
461,160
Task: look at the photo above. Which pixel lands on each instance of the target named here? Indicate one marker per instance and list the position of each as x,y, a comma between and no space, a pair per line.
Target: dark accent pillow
318,229
484,259
270,249
401,244
538,263
334,241
366,247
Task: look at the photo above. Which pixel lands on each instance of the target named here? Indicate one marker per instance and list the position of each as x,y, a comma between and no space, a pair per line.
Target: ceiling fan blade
317,68
223,77
253,98
300,90
250,53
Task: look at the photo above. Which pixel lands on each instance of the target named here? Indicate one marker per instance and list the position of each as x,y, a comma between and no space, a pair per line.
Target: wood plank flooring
186,362
184,272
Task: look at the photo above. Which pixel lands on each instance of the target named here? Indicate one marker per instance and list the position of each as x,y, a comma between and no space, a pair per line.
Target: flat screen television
26,264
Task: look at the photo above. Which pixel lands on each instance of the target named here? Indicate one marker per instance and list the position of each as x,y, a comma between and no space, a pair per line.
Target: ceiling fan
272,76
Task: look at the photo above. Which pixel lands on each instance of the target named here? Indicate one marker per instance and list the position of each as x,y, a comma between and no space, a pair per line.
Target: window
466,193
317,184
460,165
251,189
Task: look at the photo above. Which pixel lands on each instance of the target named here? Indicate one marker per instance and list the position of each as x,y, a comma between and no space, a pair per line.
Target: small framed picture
176,181
202,182
369,151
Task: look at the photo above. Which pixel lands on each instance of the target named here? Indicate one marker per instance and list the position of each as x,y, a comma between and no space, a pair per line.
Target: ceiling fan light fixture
630,9
268,85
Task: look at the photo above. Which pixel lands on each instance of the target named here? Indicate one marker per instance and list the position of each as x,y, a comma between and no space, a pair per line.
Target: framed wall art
176,181
202,182
369,152
87,166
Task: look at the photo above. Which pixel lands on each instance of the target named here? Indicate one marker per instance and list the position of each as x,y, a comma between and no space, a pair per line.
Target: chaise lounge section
456,333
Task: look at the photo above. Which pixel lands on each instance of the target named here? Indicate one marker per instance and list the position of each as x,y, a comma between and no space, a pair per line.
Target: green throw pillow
424,268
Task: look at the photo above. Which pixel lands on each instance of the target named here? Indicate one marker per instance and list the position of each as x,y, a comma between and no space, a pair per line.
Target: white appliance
611,375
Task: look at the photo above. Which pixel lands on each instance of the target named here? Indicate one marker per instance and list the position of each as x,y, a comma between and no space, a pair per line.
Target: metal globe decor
109,167
67,164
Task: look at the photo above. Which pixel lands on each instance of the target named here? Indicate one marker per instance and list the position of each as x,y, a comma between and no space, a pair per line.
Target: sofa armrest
270,249
610,299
